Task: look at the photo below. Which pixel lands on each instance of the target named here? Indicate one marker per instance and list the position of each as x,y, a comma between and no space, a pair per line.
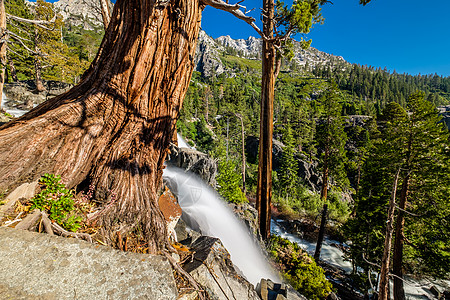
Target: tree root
47,223
30,220
61,231
191,280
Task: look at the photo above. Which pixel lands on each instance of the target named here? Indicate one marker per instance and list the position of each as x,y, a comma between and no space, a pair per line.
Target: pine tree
331,140
425,163
414,143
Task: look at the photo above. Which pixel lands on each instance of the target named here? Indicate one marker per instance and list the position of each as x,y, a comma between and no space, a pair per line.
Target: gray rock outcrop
194,161
444,112
209,52
249,48
40,266
22,95
207,58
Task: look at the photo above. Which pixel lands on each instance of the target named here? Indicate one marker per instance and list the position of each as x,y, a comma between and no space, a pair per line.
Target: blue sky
408,36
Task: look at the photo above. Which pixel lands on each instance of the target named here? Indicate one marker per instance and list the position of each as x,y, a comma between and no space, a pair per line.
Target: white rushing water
181,142
213,217
12,111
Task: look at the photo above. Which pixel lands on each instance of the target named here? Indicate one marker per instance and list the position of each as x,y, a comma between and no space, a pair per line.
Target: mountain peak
211,51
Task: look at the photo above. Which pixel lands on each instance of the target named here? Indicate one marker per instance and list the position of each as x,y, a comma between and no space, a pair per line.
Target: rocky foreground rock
34,266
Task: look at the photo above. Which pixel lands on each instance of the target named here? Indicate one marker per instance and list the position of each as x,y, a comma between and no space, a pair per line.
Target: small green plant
56,199
7,114
299,268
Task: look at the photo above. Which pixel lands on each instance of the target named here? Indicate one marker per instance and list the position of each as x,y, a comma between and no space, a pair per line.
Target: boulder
185,235
435,291
269,290
212,268
307,170
40,266
252,148
194,161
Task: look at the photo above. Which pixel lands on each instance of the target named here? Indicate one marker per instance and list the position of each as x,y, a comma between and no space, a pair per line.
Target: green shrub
58,201
299,269
303,202
229,182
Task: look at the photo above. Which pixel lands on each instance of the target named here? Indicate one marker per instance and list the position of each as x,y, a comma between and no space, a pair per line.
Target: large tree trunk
383,290
264,187
2,46
397,259
113,130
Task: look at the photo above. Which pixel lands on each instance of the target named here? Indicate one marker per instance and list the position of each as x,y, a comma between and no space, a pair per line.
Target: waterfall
207,212
181,142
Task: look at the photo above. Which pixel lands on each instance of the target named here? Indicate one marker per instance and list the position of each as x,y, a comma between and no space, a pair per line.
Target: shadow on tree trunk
112,131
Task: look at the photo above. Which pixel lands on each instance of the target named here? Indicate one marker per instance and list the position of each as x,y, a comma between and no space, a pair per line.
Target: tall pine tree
331,140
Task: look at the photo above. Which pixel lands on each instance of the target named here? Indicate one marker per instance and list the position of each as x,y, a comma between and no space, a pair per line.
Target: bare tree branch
408,212
235,10
39,23
10,33
370,263
19,39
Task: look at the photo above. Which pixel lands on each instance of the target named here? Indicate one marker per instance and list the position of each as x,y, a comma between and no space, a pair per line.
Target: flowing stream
414,288
332,255
10,110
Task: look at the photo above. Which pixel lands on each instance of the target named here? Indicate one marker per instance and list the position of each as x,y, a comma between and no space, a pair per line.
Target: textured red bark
113,130
264,187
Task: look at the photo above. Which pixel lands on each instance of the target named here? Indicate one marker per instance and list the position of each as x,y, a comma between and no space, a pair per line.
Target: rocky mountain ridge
211,51
85,13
